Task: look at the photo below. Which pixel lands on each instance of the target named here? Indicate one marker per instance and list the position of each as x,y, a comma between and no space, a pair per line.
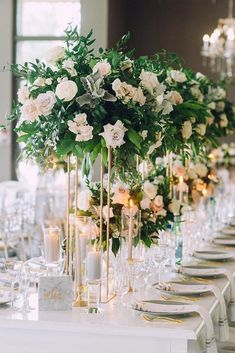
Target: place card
55,293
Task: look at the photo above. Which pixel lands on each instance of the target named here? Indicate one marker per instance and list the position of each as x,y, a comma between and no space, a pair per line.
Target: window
40,24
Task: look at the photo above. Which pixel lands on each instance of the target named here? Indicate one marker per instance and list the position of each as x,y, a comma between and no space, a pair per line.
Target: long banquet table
117,329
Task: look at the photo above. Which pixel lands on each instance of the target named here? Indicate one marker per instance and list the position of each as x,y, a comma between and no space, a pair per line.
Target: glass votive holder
52,254
93,290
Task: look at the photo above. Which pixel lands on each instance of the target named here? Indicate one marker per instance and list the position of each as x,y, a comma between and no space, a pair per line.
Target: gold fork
164,318
183,297
194,279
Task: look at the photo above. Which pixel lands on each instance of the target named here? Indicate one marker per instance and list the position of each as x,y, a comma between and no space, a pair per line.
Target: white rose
201,129
145,203
150,190
178,76
220,106
212,105
121,194
73,126
80,127
123,90
158,201
29,110
68,65
220,93
175,98
84,133
23,94
192,119
45,102
149,81
217,93
223,120
187,130
81,119
174,206
39,82
66,90
48,81
103,67
201,170
105,212
200,76
84,200
114,134
191,173
54,54
195,91
126,65
159,161
159,179
139,97
231,151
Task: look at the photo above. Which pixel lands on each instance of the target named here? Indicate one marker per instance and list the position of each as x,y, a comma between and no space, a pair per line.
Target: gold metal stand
78,288
67,265
108,221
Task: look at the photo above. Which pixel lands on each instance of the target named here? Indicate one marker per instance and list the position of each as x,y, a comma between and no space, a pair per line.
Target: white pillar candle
84,240
181,186
71,237
78,263
51,245
206,40
93,265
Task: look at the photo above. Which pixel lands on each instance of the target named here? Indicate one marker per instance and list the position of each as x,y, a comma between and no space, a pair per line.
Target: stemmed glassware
160,258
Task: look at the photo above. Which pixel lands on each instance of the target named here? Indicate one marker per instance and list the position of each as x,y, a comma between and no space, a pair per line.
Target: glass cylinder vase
81,242
131,217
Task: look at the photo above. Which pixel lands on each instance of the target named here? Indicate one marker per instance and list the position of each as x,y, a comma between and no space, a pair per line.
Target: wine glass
160,258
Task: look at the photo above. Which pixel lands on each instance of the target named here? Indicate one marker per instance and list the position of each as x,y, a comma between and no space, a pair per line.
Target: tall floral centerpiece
125,109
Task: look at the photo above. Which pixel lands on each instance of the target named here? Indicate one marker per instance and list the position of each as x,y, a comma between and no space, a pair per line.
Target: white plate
182,288
5,298
228,231
201,271
162,307
212,255
224,241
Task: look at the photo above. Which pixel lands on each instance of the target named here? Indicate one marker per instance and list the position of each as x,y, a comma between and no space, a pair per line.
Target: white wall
6,11
95,16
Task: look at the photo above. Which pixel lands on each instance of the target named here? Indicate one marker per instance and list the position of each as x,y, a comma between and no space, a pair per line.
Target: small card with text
55,293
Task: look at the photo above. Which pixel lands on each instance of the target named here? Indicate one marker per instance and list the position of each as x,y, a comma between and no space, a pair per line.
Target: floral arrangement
74,102
150,196
199,179
224,155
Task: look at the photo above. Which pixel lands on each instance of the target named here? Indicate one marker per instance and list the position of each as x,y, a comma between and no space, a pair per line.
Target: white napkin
223,321
231,311
210,344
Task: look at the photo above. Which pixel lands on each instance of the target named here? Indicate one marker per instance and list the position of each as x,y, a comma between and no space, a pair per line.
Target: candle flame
204,192
181,179
131,203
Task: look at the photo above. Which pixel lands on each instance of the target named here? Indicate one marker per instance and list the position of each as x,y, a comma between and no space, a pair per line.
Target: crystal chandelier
218,49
